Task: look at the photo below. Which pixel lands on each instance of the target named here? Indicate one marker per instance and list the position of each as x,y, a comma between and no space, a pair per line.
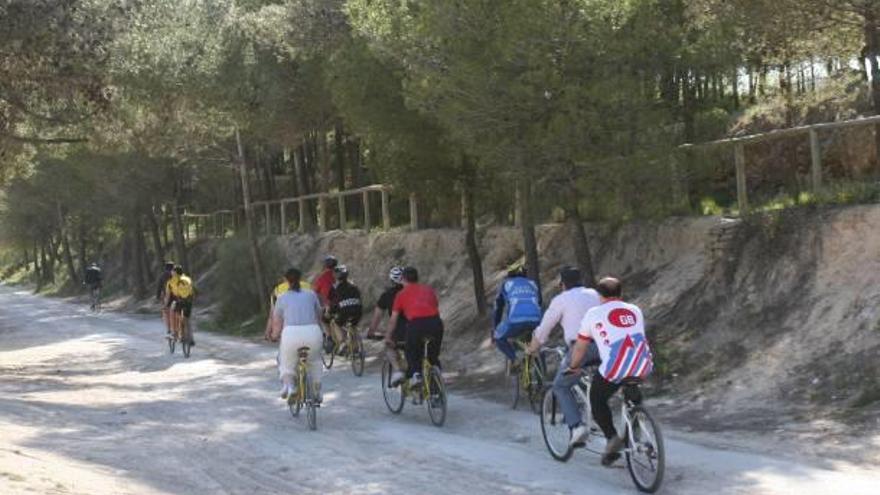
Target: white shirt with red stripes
618,328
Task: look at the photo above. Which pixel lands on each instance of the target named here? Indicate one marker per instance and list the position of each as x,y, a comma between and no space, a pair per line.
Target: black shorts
171,301
398,335
184,307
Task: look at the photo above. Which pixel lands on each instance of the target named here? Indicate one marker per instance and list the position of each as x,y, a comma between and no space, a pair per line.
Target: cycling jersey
162,284
169,285
618,329
521,299
386,303
182,288
345,303
93,275
567,309
323,284
417,301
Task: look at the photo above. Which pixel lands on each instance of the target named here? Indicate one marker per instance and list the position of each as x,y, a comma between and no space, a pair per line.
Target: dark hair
169,265
571,277
178,269
609,287
410,274
293,277
330,261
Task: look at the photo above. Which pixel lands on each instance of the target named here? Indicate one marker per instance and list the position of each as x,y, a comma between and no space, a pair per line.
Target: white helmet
396,274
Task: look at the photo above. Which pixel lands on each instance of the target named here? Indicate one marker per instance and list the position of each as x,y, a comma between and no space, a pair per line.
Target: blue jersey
518,301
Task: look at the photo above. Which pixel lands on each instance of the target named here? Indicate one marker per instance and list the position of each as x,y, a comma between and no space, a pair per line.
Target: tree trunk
83,246
136,264
127,277
471,243
259,278
872,43
580,242
157,239
530,241
688,109
65,245
179,241
299,168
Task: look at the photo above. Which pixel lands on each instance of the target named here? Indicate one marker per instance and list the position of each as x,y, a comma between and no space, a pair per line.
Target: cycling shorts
171,301
184,307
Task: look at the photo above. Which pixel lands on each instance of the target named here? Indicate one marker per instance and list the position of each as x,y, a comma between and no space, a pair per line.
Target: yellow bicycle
306,395
431,392
528,379
354,349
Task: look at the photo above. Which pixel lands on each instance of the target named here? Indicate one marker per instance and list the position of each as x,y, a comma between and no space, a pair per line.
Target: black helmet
341,272
330,261
169,265
178,269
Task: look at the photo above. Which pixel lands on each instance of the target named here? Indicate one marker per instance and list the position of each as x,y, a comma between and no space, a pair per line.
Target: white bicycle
643,441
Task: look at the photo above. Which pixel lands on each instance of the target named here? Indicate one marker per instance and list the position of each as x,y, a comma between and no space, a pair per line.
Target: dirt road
94,404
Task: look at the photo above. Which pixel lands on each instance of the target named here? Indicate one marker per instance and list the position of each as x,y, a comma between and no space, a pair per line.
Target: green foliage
234,289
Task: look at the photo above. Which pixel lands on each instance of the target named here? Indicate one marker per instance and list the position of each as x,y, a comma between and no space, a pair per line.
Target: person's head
169,265
570,278
178,270
293,277
396,275
330,262
609,288
94,264
516,270
341,272
410,275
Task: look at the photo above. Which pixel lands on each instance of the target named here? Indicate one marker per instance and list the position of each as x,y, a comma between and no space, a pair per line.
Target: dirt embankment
755,322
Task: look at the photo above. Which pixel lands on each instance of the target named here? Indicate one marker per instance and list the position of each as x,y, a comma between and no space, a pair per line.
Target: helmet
169,265
330,261
396,274
341,272
178,269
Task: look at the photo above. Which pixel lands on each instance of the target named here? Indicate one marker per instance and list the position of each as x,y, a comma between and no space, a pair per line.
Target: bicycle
643,441
432,391
305,391
529,379
355,351
182,334
95,298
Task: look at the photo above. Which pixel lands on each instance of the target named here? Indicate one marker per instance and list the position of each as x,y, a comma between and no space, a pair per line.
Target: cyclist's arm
499,307
578,352
392,324
374,322
548,323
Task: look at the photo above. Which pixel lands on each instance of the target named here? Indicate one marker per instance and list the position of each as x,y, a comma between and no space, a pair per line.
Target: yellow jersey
182,288
169,285
284,287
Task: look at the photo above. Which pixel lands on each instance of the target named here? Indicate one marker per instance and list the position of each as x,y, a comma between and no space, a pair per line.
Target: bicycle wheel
556,433
393,396
171,343
514,386
536,386
328,353
311,404
186,343
437,397
645,454
358,356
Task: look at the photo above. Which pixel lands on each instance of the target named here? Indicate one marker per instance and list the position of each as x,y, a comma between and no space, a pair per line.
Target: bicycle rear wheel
328,352
311,403
645,454
513,385
171,343
437,397
393,396
556,433
186,343
358,356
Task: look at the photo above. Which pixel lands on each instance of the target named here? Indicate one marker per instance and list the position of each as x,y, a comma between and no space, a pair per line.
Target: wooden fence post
268,219
386,216
302,215
367,219
322,214
340,200
742,197
816,164
283,218
517,211
413,212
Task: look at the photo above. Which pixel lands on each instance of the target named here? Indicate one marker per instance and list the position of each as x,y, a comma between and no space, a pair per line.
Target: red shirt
322,285
417,301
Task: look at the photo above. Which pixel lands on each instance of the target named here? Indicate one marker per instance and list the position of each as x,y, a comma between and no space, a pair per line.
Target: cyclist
279,289
566,309
161,287
618,329
418,304
182,287
297,322
344,304
398,334
170,300
325,280
517,311
93,279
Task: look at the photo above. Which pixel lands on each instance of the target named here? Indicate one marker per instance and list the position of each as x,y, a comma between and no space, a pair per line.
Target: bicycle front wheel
436,397
645,454
393,396
358,356
536,386
557,435
514,385
186,342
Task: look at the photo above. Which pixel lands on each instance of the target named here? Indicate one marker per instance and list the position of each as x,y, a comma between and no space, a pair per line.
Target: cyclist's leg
287,357
186,313
502,333
435,333
311,336
600,391
413,351
562,390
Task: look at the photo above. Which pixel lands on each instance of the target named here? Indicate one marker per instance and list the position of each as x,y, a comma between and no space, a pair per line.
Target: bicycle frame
427,373
581,390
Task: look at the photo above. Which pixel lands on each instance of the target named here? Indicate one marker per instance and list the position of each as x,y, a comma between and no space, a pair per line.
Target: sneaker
285,391
416,380
579,435
396,378
612,450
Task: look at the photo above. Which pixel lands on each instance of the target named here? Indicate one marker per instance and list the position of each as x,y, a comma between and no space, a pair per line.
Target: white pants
293,338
